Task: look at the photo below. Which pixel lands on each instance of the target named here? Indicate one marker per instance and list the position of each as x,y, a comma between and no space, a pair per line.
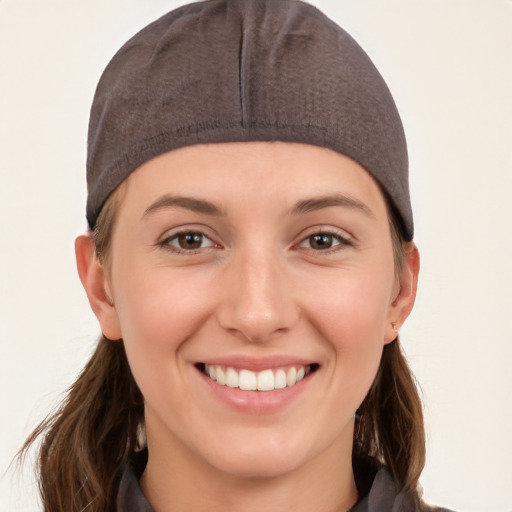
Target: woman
250,262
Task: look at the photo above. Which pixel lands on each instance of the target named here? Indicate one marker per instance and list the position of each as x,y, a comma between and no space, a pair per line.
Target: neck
176,480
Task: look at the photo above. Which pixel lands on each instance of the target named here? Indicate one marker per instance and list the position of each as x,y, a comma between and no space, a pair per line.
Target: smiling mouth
265,380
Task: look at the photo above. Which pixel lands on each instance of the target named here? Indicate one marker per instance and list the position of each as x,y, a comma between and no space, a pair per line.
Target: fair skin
250,256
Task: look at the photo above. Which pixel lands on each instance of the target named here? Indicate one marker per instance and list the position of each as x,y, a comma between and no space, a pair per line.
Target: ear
96,285
408,283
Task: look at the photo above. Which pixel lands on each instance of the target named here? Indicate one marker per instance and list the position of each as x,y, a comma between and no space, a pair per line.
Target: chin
259,464
262,454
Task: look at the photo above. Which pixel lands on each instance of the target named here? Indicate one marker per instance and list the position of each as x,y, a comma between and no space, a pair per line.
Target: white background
449,66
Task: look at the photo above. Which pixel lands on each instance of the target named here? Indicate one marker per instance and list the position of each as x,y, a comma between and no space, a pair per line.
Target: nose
257,300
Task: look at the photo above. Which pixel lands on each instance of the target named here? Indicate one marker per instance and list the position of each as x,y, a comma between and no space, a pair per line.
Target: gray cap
244,70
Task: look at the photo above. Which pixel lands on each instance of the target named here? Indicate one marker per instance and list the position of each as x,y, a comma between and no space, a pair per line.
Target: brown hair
97,427
389,423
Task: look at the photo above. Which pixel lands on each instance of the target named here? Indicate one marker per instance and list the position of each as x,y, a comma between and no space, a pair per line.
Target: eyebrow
318,203
301,207
189,203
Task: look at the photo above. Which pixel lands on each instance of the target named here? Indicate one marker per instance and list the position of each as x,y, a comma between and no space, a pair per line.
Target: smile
265,380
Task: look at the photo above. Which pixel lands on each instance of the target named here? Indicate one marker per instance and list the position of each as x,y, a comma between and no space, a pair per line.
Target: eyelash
167,242
342,241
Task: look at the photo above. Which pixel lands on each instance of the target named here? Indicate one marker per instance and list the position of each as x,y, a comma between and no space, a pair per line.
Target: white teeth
280,379
266,380
247,380
291,376
231,378
221,376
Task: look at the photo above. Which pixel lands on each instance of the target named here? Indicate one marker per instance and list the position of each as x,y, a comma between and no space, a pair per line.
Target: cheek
350,307
352,319
159,310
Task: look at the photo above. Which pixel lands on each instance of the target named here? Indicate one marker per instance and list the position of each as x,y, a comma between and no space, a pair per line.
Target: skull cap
244,70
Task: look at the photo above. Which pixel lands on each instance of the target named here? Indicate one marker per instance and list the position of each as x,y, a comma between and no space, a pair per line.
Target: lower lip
257,402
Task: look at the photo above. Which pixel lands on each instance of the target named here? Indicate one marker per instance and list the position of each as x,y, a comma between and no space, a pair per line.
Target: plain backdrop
449,66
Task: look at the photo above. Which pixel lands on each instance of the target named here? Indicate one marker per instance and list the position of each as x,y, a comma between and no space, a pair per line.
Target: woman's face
243,264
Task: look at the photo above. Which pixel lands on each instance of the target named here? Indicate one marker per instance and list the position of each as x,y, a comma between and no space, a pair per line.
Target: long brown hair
389,423
97,426
87,439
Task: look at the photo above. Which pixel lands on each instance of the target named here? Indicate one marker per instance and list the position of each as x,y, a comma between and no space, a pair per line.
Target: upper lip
257,364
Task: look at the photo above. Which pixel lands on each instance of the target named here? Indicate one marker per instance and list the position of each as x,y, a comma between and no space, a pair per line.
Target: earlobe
93,278
404,301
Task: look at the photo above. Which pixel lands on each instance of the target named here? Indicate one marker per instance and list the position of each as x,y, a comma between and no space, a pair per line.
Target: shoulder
383,497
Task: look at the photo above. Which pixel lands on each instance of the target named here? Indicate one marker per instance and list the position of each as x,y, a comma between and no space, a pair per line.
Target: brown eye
189,241
324,241
321,241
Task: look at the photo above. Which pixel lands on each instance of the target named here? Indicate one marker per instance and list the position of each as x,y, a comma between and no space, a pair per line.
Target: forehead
269,171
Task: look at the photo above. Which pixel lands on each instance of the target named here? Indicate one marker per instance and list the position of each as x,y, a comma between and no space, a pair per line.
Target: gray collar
380,496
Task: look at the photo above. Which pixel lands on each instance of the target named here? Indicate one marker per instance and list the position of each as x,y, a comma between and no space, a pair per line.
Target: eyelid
177,236
174,233
344,238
